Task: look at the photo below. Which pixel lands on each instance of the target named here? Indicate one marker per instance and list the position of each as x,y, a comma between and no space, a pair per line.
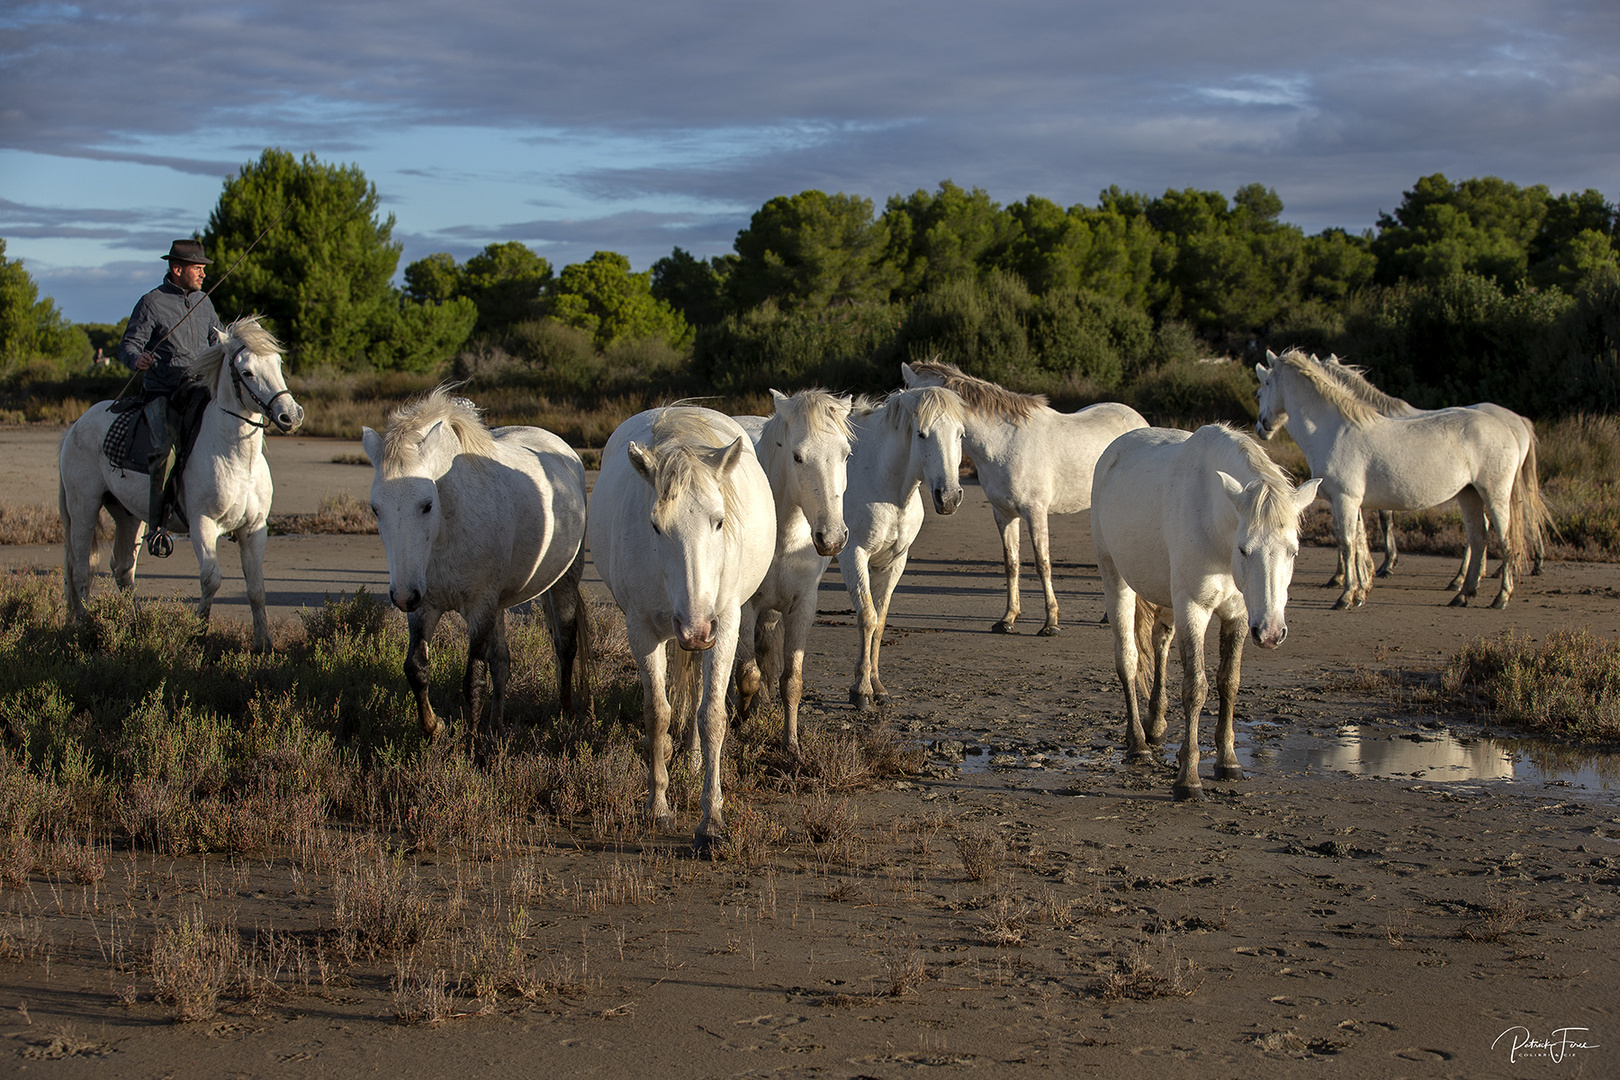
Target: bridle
243,390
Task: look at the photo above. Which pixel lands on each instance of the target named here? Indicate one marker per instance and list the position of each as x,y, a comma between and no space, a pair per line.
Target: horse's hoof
1050,630
1187,793
1460,600
1499,603
706,842
862,702
1340,604
1229,773
1385,574
1141,757
1005,626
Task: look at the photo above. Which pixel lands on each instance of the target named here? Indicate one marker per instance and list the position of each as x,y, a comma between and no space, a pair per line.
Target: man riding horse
169,325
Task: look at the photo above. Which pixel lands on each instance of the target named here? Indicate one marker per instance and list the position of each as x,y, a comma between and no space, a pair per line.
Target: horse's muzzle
1263,431
947,502
1268,638
830,542
407,602
286,420
694,637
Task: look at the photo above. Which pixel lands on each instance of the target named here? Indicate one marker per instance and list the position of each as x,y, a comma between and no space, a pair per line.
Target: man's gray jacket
157,314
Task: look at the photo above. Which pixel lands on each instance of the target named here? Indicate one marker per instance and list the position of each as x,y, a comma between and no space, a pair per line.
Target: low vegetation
1567,686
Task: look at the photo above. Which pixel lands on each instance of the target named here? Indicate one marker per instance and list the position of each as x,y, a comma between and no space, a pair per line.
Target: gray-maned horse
1365,458
1191,526
804,447
476,521
224,489
1032,461
1530,509
682,528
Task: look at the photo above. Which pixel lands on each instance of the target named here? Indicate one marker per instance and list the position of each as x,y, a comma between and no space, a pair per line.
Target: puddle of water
1432,756
1438,755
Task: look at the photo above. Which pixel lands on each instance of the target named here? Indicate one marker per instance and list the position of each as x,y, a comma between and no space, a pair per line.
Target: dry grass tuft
982,851
1136,976
337,514
192,963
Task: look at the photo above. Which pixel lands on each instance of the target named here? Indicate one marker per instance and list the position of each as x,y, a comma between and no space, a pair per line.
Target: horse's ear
907,376
1305,494
373,443
1270,356
1262,372
1234,490
733,454
642,460
433,440
777,396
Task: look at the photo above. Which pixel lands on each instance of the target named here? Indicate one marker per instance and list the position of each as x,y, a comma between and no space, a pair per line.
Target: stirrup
160,543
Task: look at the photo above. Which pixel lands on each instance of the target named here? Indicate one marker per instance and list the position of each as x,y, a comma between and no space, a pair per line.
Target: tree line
1466,290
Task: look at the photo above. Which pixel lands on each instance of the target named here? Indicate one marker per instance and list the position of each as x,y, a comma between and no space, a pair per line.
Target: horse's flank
244,332
983,397
402,441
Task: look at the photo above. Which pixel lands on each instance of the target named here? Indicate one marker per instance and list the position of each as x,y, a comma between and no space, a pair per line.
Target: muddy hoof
1229,773
707,841
1002,627
1183,793
1499,603
1341,604
862,702
1460,600
1141,757
1051,631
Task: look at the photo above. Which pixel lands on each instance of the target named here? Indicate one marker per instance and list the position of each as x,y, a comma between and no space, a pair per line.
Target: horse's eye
1243,551
656,530
427,507
922,435
719,523
373,509
798,457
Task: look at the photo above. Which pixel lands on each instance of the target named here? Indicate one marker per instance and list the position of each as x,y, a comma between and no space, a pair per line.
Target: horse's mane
245,332
1354,379
1275,507
1350,405
982,396
407,424
923,406
819,410
680,439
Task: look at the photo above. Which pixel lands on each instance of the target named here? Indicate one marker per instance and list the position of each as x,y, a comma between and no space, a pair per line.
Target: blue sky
637,126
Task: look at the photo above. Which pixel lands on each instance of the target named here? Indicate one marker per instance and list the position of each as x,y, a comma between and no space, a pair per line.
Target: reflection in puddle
1435,755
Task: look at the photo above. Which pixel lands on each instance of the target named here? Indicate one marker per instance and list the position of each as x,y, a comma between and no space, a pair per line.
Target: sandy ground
1349,905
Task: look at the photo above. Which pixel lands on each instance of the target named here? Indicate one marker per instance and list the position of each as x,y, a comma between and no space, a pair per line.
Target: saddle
128,443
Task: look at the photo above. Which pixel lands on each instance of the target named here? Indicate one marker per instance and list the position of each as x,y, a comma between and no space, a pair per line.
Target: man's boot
158,540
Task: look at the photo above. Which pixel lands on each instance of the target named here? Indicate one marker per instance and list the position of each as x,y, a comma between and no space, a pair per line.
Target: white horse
1531,509
1396,463
1190,527
224,489
804,448
1032,461
476,521
912,439
682,528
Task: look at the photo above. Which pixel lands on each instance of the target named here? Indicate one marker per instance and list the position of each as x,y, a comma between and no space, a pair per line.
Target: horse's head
405,499
812,440
1268,396
937,420
693,521
259,386
1264,547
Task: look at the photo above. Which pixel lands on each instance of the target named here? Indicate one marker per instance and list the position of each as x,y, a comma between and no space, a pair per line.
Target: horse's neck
1313,421
987,436
224,435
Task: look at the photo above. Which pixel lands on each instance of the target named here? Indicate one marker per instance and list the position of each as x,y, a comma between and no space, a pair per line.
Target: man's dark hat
187,251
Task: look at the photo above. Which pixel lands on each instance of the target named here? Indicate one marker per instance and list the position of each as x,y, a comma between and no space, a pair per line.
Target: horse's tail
1147,613
568,619
1531,518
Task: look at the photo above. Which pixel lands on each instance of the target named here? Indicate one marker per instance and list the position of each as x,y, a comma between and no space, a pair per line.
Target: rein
242,389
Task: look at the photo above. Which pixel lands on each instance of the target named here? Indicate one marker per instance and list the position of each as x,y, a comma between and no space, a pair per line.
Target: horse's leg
655,717
1499,516
1351,535
488,662
79,541
1191,622
1473,515
796,626
1119,601
1040,541
1159,701
421,623
1233,631
883,585
717,663
1386,525
205,542
251,543
858,580
1364,569
569,627
1008,524
749,680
